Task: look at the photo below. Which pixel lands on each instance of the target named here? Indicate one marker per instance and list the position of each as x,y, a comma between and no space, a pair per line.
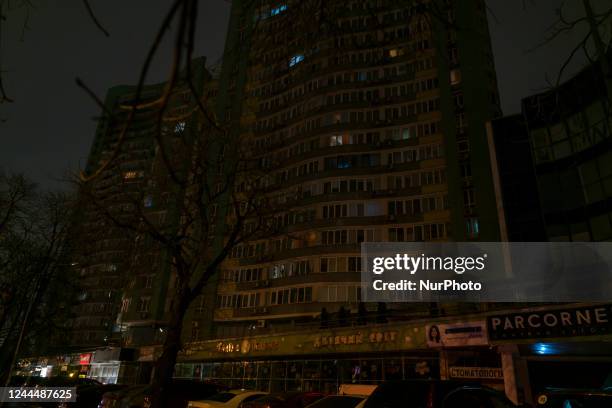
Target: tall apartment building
125,277
369,117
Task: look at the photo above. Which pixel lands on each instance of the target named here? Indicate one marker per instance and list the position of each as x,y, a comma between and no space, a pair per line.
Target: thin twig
93,17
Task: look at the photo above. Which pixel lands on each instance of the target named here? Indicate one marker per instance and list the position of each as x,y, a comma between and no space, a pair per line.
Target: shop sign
482,373
246,346
457,334
84,359
377,337
569,322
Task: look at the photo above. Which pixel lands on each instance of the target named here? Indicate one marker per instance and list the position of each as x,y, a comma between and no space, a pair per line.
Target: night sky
50,126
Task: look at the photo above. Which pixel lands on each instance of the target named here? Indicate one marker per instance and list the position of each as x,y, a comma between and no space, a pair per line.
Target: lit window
455,76
396,52
335,140
472,227
179,127
148,202
296,59
128,175
277,10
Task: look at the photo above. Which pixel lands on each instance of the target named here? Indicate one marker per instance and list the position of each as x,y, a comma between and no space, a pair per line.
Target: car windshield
221,397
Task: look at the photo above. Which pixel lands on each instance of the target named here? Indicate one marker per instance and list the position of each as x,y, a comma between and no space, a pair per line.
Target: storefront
565,346
113,365
325,359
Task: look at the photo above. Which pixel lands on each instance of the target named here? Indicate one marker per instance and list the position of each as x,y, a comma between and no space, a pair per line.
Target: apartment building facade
369,119
125,276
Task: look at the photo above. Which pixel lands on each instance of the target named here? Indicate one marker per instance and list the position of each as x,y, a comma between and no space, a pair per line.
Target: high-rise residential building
124,277
369,118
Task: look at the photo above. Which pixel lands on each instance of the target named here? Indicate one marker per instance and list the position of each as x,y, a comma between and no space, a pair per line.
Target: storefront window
278,369
239,370
183,370
294,369
371,371
393,369
312,370
263,369
207,371
329,369
349,371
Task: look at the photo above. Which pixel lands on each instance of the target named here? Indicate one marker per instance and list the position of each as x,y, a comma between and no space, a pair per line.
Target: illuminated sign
84,359
457,334
357,338
570,322
486,373
246,346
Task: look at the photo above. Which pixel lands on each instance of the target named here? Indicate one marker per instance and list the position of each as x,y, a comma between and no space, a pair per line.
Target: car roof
244,391
577,391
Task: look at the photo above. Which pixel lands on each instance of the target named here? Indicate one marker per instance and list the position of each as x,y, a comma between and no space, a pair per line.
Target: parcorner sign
569,322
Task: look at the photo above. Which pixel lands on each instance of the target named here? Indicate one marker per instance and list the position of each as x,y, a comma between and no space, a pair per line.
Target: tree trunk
164,367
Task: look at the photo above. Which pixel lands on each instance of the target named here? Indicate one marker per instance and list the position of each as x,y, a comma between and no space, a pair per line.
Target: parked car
127,397
89,396
574,398
338,401
183,391
285,400
228,399
476,397
140,396
356,389
433,394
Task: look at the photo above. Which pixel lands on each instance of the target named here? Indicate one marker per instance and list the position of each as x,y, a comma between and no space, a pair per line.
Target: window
468,197
455,77
130,175
466,170
328,264
354,264
179,127
335,140
195,331
339,293
277,10
296,59
293,295
472,227
125,305
144,304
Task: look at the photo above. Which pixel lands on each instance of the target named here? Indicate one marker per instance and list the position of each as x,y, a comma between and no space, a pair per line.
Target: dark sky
49,128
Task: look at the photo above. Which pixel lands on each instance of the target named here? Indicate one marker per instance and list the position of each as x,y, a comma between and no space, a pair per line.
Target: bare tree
33,247
595,43
221,182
